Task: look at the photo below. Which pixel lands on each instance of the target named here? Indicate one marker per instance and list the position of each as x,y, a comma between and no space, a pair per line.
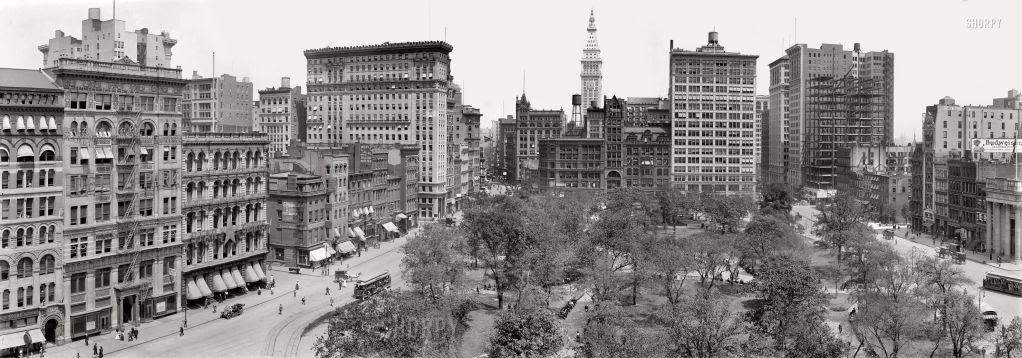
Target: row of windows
26,179
28,123
25,236
26,267
25,295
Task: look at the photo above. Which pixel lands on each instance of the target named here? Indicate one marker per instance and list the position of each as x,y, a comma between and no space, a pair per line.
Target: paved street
1007,306
260,331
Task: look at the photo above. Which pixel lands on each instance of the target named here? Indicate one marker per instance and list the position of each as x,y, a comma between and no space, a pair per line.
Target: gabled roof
23,78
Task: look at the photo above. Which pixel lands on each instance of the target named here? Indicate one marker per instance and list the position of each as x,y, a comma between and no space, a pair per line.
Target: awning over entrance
17,339
401,216
203,287
318,254
259,270
345,247
351,233
361,234
218,283
389,226
193,290
250,275
228,279
237,277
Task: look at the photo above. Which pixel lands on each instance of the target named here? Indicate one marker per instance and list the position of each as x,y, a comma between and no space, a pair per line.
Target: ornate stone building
592,68
122,208
32,194
225,232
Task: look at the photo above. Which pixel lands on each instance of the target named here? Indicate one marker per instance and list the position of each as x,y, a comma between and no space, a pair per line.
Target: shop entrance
128,309
50,330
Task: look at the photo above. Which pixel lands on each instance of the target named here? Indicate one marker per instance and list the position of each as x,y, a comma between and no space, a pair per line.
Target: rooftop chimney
857,47
94,13
195,75
713,37
285,82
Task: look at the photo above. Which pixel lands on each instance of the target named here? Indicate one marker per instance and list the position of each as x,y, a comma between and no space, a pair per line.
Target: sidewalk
978,257
170,325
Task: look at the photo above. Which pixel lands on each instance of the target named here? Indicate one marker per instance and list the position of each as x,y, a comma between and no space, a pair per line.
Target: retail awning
37,336
228,279
145,151
401,216
345,247
193,291
250,275
25,151
84,153
389,226
30,124
351,233
259,270
7,123
42,124
21,123
237,277
203,287
361,234
53,124
108,153
218,283
17,339
317,255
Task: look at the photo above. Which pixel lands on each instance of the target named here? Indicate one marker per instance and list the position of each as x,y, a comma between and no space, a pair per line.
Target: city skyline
634,42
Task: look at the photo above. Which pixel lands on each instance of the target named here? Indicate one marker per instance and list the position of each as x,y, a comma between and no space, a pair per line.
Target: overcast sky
936,53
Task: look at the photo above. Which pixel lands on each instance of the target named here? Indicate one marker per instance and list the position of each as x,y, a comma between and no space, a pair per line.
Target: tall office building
763,128
713,95
218,104
108,41
778,168
32,194
592,68
282,115
122,140
837,98
531,125
392,93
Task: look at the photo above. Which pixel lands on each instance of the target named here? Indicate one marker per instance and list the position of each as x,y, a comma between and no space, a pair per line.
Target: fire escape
129,222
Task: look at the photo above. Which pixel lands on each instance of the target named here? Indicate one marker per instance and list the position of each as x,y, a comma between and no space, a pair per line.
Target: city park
631,273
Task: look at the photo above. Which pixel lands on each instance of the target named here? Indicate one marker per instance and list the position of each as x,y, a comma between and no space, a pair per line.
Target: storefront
90,323
163,305
391,231
17,344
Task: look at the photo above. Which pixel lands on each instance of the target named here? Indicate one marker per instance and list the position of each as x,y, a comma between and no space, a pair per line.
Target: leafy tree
556,224
778,200
671,262
1009,339
788,298
765,235
525,333
673,204
962,319
627,227
843,214
609,333
727,211
434,261
857,236
711,252
703,327
831,272
391,324
494,225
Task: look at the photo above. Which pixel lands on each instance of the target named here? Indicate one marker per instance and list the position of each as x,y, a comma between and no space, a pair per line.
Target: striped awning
193,290
218,283
203,287
250,274
259,270
361,234
401,216
389,226
237,277
228,279
345,247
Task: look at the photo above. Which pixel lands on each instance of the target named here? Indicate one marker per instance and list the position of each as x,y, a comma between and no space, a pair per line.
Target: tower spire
592,67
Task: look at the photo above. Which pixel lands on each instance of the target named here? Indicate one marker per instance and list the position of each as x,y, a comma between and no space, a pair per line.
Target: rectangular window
102,278
78,283
104,102
148,104
146,269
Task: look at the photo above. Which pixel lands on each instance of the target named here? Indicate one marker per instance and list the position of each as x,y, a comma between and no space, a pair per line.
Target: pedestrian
280,309
214,308
839,329
328,291
578,336
303,300
95,349
182,330
331,301
296,285
86,340
295,293
100,352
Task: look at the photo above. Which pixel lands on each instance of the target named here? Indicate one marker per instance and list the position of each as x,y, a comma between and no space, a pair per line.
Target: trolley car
372,286
1003,283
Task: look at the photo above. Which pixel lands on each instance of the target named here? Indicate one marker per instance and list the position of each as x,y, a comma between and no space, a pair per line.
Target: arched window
28,236
216,165
5,270
26,154
49,178
191,159
189,221
5,156
189,253
25,267
42,234
47,264
20,238
237,159
6,238
52,234
83,129
146,130
7,299
52,290
42,178
28,295
42,294
216,250
103,129
216,218
74,128
248,159
166,129
47,153
201,160
173,129
125,130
